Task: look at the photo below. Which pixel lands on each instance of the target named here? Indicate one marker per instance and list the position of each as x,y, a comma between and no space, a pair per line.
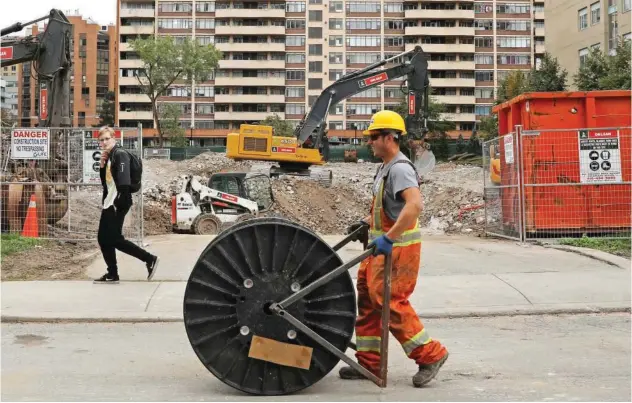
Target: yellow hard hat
386,120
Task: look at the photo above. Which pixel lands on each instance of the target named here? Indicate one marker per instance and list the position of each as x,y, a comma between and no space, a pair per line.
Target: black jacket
120,166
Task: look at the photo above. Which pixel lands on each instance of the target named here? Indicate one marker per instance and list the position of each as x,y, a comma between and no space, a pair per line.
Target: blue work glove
383,246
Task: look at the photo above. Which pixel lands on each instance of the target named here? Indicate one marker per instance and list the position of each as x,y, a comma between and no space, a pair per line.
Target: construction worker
392,227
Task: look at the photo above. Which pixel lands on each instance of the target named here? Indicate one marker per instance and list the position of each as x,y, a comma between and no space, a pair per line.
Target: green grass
620,247
10,243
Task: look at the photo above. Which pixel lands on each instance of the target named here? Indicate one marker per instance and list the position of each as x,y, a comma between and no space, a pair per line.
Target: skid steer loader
228,198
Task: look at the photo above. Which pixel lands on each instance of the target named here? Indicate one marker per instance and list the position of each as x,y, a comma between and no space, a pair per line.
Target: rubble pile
324,210
452,194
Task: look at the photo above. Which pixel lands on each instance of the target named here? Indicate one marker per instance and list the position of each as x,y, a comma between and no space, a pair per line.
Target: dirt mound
157,220
324,210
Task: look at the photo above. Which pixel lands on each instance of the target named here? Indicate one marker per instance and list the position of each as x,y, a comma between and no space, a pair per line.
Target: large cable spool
238,275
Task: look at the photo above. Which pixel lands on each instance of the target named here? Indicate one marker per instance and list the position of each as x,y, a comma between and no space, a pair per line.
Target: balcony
250,81
450,65
455,99
539,48
440,14
251,47
539,32
459,117
241,13
249,99
136,115
252,64
538,15
128,81
125,47
136,30
241,116
130,63
452,82
256,30
443,47
137,12
439,31
133,98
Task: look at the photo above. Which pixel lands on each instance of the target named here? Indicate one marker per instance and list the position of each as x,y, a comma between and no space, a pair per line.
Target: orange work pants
405,325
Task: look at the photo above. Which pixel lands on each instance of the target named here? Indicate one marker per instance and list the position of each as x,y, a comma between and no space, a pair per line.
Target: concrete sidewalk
435,296
459,276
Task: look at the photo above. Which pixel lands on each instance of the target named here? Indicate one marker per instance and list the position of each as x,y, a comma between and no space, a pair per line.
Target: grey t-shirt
401,176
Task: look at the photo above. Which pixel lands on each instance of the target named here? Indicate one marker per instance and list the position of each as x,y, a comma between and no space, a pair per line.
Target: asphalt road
525,358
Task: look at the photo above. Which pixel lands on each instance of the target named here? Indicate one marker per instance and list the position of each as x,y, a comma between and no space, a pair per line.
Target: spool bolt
244,330
291,334
295,287
248,283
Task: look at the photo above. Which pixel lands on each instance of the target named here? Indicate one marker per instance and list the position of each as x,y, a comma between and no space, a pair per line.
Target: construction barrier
50,183
559,183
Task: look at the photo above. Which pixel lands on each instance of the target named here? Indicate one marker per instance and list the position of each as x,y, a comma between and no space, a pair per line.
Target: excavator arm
311,131
49,53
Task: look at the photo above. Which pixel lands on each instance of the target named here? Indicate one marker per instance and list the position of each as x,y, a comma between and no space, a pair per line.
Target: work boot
350,373
427,372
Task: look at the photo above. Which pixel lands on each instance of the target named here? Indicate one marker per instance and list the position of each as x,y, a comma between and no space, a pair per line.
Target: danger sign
373,80
6,53
30,144
599,156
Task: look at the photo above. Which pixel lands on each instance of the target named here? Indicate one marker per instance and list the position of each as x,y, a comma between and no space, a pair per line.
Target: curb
580,310
605,257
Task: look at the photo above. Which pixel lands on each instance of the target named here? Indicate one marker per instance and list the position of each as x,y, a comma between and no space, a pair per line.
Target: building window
295,40
315,15
294,109
627,5
314,32
595,13
315,83
483,59
482,110
295,92
315,50
363,7
363,41
484,42
513,42
583,55
295,24
513,9
335,23
335,7
484,93
583,18
393,7
517,59
335,58
295,6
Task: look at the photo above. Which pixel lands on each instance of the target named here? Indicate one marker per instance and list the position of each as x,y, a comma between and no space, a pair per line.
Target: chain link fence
55,172
559,183
501,187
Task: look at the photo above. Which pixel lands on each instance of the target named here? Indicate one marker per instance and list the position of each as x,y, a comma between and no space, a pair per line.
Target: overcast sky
11,11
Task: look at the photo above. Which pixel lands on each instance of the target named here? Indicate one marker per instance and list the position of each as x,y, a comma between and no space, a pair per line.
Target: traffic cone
31,229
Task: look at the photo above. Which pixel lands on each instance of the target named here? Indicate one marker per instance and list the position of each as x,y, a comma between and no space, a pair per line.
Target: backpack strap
404,162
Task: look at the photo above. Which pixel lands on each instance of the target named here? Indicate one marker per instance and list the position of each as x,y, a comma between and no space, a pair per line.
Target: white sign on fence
30,144
509,151
91,158
599,156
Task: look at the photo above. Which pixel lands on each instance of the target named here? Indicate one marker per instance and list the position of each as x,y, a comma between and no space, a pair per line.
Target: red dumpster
574,162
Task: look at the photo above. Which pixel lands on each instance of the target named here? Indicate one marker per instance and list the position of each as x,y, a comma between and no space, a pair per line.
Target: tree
165,61
618,70
281,127
460,144
169,118
488,127
474,145
513,85
549,77
106,112
7,119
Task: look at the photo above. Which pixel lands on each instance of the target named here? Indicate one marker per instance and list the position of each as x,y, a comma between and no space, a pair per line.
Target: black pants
110,238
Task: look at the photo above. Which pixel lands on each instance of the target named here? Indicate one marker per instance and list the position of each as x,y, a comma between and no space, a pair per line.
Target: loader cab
251,186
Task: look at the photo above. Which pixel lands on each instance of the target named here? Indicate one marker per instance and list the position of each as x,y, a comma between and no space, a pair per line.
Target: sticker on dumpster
599,156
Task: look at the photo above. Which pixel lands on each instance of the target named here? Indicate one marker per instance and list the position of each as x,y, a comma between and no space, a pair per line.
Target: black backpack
135,170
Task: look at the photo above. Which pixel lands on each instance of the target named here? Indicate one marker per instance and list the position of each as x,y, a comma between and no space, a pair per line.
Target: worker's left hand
383,245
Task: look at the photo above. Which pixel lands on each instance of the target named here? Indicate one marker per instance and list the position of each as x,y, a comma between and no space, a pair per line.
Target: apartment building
93,52
9,90
278,56
578,25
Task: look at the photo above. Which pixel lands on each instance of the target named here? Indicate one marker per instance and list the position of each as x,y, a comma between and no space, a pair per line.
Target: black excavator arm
49,53
311,131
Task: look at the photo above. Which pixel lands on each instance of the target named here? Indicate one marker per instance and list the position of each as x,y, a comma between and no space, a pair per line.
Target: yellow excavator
309,145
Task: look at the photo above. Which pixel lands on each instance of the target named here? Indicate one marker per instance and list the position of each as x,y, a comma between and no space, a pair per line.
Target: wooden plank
280,353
